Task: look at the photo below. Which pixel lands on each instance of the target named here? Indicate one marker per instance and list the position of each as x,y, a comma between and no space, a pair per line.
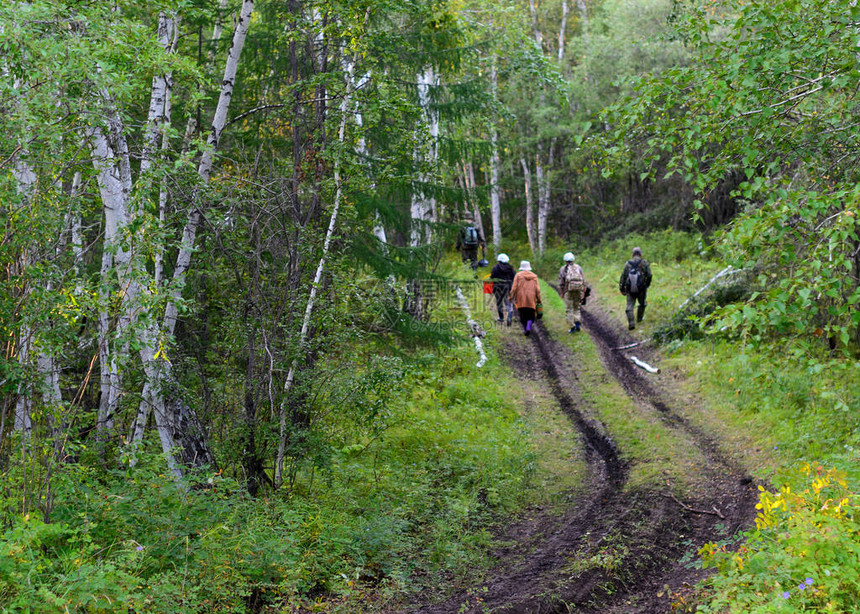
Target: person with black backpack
634,283
503,276
468,241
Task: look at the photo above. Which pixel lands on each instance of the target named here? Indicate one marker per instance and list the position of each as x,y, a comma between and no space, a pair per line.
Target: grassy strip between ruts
654,452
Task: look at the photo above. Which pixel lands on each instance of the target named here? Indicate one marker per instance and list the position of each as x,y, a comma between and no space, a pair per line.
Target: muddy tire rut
614,548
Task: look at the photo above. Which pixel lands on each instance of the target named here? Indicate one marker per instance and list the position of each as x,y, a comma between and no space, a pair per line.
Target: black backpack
634,277
470,236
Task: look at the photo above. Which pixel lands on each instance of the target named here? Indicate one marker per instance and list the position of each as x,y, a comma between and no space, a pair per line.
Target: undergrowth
387,514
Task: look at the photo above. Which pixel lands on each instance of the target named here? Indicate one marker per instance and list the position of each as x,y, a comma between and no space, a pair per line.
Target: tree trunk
495,206
531,232
114,194
544,195
217,29
176,422
535,29
586,42
332,225
159,99
473,193
25,179
423,206
562,28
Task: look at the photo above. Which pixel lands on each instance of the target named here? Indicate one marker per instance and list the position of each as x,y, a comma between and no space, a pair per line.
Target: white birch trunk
159,100
561,30
422,208
530,219
473,194
535,29
25,179
204,169
114,195
217,30
378,226
544,195
23,422
542,206
159,372
474,327
495,205
159,116
306,321
583,16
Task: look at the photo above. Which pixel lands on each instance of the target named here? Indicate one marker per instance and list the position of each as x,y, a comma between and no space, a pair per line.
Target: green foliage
793,420
764,107
415,474
803,554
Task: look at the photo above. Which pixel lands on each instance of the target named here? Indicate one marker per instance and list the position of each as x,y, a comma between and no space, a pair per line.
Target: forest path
618,544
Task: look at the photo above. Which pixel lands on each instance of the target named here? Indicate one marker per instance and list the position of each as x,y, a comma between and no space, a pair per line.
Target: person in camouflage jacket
634,283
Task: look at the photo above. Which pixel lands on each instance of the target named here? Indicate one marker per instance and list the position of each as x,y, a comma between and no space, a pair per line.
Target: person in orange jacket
525,293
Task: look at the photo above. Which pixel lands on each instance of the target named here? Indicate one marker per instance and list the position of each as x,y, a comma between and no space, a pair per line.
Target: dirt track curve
649,531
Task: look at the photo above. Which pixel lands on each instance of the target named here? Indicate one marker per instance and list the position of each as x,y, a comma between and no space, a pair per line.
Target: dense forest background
225,224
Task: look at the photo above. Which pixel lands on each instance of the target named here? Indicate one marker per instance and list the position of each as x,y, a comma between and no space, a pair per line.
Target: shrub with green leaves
803,555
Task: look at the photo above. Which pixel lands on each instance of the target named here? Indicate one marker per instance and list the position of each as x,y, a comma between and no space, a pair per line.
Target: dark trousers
503,301
527,314
470,254
632,299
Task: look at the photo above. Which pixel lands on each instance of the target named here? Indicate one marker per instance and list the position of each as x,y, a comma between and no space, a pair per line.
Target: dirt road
617,547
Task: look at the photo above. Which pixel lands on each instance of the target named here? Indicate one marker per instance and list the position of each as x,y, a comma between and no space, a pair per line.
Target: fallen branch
644,365
716,512
627,347
729,270
477,331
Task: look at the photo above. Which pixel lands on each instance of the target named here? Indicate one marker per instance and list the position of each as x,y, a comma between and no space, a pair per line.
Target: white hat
568,257
503,258
525,265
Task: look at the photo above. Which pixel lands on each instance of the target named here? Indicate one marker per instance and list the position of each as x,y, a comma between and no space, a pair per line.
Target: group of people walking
516,289
520,290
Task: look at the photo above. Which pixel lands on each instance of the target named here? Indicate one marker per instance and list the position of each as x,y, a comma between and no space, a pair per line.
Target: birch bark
423,206
495,206
535,29
176,423
25,179
530,221
544,195
561,30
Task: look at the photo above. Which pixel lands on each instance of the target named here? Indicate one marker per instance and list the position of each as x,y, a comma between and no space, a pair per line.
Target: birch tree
495,205
345,105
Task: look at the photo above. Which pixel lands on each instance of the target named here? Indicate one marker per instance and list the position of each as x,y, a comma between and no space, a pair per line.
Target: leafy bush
803,555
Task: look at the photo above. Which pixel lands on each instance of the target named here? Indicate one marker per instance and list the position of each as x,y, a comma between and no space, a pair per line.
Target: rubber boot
640,313
631,324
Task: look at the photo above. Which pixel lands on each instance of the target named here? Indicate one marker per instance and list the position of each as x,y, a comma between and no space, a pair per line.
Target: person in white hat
571,286
525,293
503,276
